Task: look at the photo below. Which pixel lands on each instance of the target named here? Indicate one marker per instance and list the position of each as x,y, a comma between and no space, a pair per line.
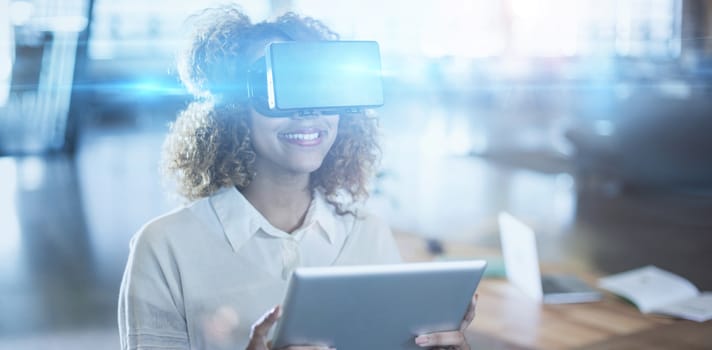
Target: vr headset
316,77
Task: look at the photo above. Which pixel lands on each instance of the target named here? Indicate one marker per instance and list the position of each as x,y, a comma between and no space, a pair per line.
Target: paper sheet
698,308
650,288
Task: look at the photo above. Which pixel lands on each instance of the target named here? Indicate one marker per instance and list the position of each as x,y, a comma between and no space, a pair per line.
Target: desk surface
508,319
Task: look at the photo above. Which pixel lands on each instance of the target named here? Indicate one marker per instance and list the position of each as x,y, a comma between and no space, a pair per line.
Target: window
485,28
7,52
136,29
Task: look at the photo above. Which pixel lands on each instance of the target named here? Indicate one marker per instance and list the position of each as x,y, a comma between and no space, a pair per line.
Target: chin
305,167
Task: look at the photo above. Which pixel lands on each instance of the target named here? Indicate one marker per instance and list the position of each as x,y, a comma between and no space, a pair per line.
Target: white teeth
304,137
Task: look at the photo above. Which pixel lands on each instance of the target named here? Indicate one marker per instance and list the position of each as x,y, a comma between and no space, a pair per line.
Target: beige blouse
200,276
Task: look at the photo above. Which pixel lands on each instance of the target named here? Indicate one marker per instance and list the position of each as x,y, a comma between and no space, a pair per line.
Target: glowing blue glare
145,88
150,87
604,127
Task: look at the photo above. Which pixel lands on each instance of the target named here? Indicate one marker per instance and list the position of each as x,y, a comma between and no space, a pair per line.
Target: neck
283,200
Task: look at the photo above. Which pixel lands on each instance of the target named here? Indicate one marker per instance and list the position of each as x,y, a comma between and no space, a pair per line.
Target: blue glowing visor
328,77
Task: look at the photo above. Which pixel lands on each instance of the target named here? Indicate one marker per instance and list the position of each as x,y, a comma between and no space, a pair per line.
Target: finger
263,325
467,320
464,346
470,315
440,339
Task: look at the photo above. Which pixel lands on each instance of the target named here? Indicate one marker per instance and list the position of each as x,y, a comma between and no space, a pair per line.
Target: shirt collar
240,220
322,213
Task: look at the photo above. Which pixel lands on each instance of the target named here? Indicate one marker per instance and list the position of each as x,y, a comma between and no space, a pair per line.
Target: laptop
376,306
521,263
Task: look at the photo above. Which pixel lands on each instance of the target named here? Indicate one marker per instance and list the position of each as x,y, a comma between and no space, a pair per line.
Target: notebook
653,289
521,263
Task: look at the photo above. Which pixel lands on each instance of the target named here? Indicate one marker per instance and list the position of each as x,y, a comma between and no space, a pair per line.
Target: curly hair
209,146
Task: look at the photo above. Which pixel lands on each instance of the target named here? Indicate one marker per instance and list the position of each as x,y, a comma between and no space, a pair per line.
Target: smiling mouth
303,138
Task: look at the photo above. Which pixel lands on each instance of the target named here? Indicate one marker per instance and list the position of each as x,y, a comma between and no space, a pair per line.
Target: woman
268,194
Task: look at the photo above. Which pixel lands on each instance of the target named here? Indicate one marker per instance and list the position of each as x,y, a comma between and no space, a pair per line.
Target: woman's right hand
258,335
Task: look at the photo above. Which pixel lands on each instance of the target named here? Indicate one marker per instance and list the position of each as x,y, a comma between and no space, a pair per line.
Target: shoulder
173,227
370,242
356,216
369,222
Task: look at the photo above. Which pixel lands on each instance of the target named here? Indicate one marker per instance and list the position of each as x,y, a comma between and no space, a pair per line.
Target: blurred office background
589,119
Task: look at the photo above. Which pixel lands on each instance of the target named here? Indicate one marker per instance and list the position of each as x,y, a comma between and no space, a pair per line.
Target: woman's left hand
450,340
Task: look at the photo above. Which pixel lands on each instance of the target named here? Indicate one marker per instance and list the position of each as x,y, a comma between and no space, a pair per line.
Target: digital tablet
376,306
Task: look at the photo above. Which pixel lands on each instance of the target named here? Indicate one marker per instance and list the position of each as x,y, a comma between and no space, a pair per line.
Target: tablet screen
376,306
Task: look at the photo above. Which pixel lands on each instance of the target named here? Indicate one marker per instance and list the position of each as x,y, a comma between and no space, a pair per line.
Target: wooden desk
508,319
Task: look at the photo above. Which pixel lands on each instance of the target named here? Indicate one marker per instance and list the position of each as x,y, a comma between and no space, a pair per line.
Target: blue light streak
142,88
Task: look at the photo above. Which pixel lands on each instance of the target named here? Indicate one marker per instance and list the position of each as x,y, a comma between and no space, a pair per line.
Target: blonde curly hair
209,145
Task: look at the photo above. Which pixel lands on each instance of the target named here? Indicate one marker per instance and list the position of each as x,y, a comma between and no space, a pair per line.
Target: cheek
334,124
333,135
257,135
265,147
334,121
259,140
262,131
